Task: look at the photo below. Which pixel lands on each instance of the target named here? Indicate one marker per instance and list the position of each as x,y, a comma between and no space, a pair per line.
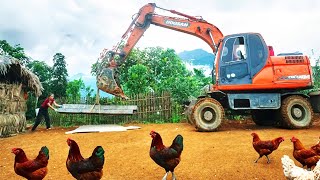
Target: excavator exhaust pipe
108,81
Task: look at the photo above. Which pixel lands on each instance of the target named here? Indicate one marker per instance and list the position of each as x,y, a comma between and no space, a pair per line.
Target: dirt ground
226,154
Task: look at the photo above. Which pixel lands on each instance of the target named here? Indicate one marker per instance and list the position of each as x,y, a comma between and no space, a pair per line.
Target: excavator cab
242,56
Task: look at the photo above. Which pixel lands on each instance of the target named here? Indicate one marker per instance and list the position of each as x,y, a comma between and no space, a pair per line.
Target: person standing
43,111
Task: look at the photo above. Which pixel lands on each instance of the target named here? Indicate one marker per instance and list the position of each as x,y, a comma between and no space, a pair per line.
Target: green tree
74,90
201,78
15,51
43,71
88,91
316,73
32,104
165,72
59,76
137,81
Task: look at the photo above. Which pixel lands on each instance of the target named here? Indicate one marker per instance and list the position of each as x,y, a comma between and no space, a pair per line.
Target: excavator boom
108,77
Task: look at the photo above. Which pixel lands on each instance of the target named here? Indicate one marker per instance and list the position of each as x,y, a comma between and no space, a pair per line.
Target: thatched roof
11,71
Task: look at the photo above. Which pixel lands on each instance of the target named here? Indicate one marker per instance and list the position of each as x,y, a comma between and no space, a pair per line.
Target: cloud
82,29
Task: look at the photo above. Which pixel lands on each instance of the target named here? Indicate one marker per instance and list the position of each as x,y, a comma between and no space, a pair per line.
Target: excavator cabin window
234,61
234,50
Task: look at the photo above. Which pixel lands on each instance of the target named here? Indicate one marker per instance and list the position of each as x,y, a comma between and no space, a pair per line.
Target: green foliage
43,71
95,68
15,51
59,76
316,74
137,81
166,72
176,118
157,69
201,78
31,106
89,91
73,90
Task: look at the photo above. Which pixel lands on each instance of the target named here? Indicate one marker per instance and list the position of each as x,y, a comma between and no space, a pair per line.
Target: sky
81,29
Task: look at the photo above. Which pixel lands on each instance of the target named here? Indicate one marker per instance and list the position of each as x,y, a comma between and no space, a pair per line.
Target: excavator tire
188,111
268,117
296,112
207,115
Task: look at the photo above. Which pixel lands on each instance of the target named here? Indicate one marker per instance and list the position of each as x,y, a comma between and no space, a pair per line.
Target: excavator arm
107,77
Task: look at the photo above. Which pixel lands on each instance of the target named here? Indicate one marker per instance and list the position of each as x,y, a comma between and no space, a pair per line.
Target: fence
152,107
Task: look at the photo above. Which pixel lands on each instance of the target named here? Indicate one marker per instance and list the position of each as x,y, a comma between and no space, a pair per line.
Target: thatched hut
15,82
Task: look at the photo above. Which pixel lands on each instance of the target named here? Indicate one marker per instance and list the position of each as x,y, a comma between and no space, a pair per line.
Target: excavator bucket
108,81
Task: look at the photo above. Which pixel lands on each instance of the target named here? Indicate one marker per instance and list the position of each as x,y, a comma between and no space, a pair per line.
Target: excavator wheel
267,117
296,112
207,114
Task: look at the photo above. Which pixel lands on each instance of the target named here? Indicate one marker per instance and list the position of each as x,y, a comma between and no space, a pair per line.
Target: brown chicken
35,169
264,148
316,147
307,157
166,157
81,168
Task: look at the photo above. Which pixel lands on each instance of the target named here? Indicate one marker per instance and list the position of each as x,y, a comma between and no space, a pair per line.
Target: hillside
197,57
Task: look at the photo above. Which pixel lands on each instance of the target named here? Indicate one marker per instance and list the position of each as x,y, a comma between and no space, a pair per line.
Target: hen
264,148
316,147
35,169
166,157
307,157
293,172
84,169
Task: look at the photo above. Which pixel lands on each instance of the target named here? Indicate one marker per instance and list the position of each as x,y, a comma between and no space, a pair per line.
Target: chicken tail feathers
287,165
317,170
45,151
177,143
99,152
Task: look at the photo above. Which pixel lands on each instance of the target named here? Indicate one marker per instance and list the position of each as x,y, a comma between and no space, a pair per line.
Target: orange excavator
248,75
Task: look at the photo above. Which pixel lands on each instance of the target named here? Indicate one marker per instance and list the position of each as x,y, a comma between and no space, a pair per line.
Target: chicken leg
173,176
268,159
257,159
261,157
165,176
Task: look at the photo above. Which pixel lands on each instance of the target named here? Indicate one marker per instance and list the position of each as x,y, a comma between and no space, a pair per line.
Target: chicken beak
13,151
292,139
152,134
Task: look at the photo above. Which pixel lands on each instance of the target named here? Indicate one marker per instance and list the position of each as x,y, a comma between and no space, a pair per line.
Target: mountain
197,57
